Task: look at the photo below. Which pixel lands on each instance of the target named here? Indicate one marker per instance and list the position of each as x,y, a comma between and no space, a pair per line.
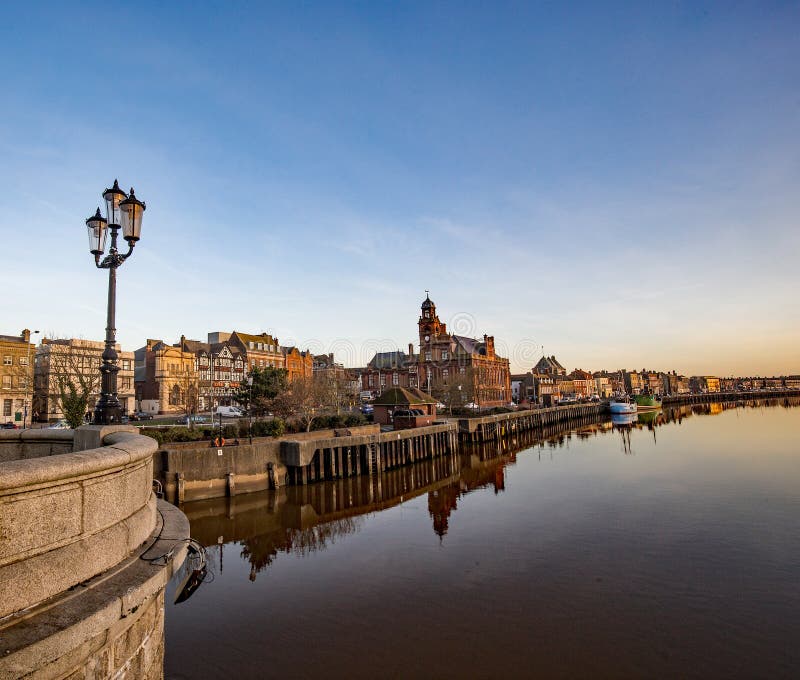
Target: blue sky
591,177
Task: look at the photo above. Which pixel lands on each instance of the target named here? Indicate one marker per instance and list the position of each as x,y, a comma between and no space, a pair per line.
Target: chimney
183,340
411,349
26,335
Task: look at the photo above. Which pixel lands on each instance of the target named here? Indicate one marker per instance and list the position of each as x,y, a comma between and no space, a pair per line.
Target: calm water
669,548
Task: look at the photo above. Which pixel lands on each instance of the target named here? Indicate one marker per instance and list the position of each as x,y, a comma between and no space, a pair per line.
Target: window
395,379
6,407
462,370
23,361
383,380
445,373
7,360
444,354
23,383
6,382
427,356
126,364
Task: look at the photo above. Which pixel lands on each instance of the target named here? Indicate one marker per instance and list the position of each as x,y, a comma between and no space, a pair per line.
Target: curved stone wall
67,517
80,592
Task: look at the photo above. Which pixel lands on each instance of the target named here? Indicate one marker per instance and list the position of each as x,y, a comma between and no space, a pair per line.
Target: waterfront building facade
61,363
549,366
389,369
259,351
446,359
17,355
583,383
167,381
704,384
298,365
221,370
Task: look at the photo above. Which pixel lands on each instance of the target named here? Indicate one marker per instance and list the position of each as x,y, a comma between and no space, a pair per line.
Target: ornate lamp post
122,212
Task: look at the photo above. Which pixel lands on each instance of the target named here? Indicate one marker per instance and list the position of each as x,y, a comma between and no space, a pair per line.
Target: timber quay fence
314,460
710,397
486,428
193,471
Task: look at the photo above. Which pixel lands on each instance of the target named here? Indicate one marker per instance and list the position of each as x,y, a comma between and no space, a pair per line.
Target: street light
28,387
122,212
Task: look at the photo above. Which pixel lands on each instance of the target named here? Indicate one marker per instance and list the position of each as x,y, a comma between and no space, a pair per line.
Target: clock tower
430,328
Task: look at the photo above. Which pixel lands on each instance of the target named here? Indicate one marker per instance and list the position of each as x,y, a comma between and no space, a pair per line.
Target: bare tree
184,391
306,399
456,390
68,375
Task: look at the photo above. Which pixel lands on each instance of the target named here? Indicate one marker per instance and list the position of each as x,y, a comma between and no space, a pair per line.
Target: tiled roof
404,396
470,345
385,360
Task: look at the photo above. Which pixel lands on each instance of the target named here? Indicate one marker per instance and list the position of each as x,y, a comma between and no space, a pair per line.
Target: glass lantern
96,226
113,197
132,210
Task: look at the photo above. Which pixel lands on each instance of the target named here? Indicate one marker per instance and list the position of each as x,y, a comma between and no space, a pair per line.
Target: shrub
275,427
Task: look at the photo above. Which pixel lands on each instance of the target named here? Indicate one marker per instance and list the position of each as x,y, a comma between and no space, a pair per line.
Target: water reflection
303,519
567,559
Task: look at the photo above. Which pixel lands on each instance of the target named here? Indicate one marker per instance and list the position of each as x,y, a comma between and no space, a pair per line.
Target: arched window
175,396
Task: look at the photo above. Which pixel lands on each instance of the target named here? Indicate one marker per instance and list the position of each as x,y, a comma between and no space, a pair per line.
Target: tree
457,390
306,399
69,375
268,383
185,392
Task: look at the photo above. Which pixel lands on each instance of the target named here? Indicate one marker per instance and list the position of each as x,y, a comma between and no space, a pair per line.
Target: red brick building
445,362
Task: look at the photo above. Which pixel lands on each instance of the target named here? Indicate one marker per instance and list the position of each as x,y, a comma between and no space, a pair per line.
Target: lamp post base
107,414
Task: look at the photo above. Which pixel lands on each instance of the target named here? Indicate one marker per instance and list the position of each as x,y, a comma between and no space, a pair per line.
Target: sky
612,183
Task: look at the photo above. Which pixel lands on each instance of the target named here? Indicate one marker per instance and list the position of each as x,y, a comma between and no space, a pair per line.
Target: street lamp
122,212
28,387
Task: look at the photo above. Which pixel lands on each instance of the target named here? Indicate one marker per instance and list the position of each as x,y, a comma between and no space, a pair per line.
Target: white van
228,412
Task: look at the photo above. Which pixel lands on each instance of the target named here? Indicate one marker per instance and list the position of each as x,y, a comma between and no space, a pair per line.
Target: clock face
427,337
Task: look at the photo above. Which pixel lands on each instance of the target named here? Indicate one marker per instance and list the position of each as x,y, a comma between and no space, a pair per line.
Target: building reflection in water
303,519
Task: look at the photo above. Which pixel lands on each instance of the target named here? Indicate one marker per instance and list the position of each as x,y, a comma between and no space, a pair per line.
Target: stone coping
120,449
66,517
38,641
36,435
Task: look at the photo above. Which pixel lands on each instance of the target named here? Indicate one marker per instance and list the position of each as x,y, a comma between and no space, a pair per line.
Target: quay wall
199,470
194,470
729,396
76,511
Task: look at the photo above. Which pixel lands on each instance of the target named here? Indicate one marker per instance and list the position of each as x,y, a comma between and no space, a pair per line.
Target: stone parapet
66,518
112,626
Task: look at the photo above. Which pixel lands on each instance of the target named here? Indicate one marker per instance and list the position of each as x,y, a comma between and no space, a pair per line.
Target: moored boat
647,402
622,405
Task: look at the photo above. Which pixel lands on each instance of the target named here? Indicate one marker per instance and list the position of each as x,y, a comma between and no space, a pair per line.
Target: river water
667,547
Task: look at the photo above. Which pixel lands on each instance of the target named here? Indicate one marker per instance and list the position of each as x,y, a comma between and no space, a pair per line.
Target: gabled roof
404,396
386,360
12,338
470,345
246,338
195,346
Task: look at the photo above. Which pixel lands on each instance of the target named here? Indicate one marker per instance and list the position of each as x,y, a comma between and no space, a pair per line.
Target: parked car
8,426
58,425
367,409
141,415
